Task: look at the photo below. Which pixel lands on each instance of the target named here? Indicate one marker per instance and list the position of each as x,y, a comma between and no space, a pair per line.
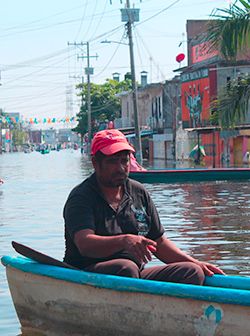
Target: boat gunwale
190,175
226,295
191,170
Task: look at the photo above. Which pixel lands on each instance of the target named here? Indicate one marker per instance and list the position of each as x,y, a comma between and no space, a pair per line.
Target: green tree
231,106
229,32
105,103
19,136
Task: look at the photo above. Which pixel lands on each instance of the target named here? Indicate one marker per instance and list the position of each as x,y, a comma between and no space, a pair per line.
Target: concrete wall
149,101
229,73
163,146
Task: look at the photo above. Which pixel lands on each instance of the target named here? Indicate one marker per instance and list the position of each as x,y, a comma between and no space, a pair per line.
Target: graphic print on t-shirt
141,218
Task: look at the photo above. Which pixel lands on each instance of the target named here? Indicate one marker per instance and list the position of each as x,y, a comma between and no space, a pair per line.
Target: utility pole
88,71
82,82
81,106
130,15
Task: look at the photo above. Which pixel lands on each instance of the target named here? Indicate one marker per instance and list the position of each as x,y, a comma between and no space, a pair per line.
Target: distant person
1,181
110,124
246,158
134,165
112,225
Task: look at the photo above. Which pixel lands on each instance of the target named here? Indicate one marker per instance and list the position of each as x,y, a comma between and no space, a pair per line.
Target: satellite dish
180,57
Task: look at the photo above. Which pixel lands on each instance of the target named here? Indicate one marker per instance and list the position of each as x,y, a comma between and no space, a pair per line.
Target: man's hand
209,269
139,246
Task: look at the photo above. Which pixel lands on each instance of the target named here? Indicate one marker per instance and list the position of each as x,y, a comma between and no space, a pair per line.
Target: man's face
113,170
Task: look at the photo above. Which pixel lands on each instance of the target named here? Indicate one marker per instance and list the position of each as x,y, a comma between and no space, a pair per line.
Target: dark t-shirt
86,208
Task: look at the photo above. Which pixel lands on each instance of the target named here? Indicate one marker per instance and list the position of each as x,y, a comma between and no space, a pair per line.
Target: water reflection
209,220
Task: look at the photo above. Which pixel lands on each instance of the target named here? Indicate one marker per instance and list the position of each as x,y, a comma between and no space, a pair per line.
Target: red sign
202,52
195,102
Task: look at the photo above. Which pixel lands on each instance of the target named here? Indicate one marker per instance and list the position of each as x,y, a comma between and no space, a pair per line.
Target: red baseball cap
110,142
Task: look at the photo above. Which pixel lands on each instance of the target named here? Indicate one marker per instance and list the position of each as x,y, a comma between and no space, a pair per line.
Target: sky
42,59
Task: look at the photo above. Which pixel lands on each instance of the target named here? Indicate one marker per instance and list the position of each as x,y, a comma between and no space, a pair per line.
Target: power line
36,60
88,71
160,12
111,58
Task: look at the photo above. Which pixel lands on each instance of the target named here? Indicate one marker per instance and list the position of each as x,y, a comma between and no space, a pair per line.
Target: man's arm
168,253
91,245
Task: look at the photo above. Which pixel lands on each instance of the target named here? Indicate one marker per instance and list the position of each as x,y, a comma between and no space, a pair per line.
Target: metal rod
89,102
138,145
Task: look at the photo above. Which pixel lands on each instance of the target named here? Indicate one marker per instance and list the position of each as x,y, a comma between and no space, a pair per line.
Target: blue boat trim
226,295
171,175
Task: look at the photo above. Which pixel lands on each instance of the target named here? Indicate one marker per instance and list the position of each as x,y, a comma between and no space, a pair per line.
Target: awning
142,134
203,129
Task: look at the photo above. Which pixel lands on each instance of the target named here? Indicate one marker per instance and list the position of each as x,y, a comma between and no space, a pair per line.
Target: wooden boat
44,151
52,300
190,175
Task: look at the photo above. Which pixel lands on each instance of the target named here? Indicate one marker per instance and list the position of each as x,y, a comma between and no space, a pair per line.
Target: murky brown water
210,220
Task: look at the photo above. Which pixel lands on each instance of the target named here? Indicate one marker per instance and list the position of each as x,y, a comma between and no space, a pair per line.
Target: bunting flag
15,120
9,120
50,120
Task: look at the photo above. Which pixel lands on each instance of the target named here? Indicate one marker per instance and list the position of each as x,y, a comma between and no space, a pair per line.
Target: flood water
210,220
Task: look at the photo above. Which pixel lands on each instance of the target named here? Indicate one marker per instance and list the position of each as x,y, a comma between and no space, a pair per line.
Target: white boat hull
58,307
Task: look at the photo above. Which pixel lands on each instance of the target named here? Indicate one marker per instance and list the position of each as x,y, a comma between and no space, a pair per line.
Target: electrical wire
158,13
111,58
39,20
91,19
34,60
98,24
138,49
82,20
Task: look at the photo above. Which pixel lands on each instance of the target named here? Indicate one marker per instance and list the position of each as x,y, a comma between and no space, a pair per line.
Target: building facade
206,74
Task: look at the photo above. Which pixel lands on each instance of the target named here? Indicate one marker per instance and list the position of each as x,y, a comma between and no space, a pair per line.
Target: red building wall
195,102
213,148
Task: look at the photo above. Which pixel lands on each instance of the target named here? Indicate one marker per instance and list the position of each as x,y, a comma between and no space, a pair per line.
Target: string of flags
15,120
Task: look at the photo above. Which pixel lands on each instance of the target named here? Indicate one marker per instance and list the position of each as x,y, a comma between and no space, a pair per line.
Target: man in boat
112,225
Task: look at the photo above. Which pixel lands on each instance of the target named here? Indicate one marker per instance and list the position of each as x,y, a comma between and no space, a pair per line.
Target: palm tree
229,32
231,106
